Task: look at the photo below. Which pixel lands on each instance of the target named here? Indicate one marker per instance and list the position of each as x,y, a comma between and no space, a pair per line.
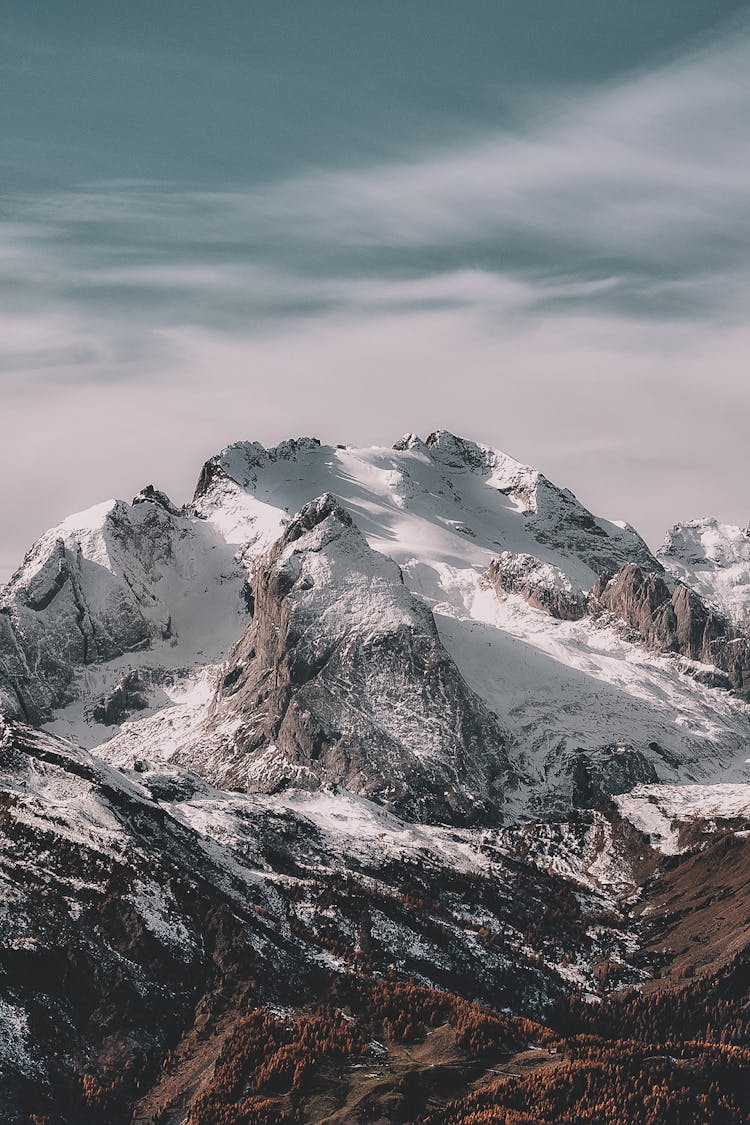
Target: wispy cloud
592,268
643,186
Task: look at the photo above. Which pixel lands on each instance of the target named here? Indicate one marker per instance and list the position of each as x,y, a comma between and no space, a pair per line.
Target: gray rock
341,680
601,774
676,619
127,697
543,585
152,495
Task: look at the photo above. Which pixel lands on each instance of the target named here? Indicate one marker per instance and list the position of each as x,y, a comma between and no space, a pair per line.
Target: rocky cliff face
713,559
341,680
542,585
673,618
104,586
61,612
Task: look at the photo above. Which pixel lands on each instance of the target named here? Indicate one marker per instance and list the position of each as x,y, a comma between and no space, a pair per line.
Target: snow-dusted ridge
112,589
416,499
661,811
150,592
353,710
714,559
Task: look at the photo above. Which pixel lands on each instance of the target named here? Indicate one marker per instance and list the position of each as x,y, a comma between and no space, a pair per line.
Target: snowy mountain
341,680
714,560
457,562
112,588
351,710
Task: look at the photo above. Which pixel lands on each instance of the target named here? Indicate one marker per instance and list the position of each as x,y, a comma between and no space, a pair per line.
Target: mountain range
383,784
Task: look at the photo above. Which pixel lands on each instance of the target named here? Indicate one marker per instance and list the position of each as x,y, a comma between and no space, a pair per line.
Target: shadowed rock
542,585
341,680
676,620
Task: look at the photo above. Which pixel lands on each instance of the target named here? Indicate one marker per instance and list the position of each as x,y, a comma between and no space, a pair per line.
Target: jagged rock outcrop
60,613
542,585
673,618
598,775
129,695
150,494
341,680
714,560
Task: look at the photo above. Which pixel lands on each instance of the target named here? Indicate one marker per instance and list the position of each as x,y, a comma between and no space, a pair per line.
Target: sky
526,222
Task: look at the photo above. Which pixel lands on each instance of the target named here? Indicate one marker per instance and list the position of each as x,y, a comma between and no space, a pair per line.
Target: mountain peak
408,441
333,685
317,511
713,558
457,451
151,495
240,461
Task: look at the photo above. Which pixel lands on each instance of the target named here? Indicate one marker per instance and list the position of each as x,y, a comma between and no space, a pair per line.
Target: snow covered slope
663,812
714,559
112,589
423,503
342,680
117,627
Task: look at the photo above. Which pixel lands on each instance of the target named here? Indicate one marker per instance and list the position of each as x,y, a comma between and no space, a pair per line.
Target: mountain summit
358,723
451,564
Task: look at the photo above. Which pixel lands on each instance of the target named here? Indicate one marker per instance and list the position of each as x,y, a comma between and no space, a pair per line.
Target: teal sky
525,222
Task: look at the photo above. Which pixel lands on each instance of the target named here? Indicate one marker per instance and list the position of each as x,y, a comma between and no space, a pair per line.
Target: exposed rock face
107,582
149,494
542,585
612,770
555,516
676,620
126,697
714,560
342,681
642,600
60,615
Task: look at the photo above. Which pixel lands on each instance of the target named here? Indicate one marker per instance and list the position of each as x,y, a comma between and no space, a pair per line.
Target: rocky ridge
678,620
713,559
408,714
106,587
342,681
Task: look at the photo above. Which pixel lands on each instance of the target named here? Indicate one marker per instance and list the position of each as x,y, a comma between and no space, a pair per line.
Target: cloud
638,191
649,181
575,292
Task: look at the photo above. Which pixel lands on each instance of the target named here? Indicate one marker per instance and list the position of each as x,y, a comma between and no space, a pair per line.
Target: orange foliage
266,1056
407,1010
